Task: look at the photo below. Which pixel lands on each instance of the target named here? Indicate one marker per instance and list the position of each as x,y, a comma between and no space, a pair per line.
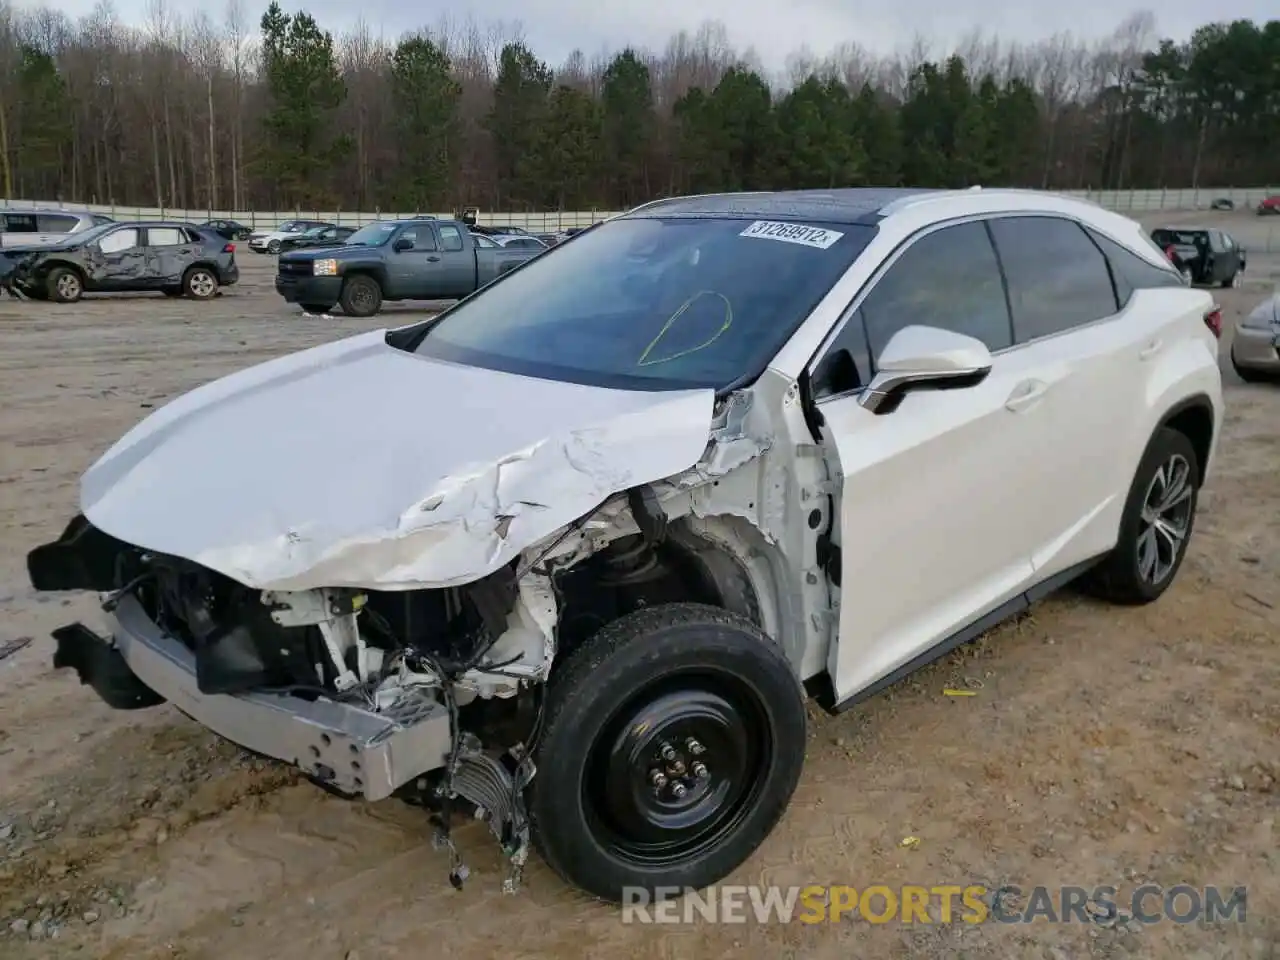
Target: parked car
517,242
573,551
1223,203
28,228
272,241
176,259
392,260
1269,206
500,231
1254,347
329,236
1203,255
229,229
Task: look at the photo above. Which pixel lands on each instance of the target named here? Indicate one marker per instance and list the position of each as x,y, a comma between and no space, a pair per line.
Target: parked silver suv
27,228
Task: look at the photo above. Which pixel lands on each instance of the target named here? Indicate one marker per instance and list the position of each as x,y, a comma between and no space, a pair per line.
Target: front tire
1156,526
673,742
361,296
64,285
273,247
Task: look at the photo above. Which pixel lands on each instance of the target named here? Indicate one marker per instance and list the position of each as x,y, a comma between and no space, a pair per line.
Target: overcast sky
775,28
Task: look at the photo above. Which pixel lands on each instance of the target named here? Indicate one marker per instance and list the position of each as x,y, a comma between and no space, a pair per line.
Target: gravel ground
1103,746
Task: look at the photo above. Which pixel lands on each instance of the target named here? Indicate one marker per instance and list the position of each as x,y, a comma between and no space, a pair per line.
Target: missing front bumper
355,751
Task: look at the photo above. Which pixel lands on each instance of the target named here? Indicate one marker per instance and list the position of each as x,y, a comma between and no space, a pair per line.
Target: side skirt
820,688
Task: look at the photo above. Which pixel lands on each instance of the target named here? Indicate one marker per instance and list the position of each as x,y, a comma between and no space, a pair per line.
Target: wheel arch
1196,419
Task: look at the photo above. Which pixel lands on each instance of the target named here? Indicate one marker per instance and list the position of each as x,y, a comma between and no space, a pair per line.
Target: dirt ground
1103,746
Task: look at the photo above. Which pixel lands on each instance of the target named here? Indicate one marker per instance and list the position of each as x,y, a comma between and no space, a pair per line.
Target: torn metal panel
355,464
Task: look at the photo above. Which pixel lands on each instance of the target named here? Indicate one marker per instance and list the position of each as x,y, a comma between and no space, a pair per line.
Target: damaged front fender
356,464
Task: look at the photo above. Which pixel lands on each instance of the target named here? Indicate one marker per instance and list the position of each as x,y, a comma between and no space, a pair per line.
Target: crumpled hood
358,464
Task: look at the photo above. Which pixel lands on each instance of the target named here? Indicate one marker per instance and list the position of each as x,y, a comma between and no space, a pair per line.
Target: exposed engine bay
481,651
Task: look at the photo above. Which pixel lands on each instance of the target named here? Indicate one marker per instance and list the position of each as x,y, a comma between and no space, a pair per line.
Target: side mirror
402,244
925,358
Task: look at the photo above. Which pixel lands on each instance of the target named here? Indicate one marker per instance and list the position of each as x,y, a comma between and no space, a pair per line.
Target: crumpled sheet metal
356,464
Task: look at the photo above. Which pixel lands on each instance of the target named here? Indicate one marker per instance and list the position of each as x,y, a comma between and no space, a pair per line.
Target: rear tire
64,285
1156,526
199,283
673,740
361,296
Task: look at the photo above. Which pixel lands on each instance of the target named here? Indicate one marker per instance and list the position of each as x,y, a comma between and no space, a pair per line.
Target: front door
924,491
116,261
411,273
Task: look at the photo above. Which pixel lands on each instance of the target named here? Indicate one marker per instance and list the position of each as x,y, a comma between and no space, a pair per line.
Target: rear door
457,273
55,227
1089,349
19,229
169,250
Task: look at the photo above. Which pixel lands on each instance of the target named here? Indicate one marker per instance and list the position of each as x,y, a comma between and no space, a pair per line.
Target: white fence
1125,201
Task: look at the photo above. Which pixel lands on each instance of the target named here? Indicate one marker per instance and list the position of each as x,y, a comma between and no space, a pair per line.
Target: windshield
652,303
292,226
374,234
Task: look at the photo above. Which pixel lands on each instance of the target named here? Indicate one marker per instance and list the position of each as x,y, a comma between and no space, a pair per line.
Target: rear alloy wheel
361,296
1155,528
1235,281
673,741
64,285
199,283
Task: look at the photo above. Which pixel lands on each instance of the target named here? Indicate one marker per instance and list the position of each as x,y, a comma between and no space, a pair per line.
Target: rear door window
450,238
1057,277
165,237
56,222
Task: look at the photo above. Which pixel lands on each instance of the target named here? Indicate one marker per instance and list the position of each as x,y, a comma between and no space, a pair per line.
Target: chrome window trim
887,264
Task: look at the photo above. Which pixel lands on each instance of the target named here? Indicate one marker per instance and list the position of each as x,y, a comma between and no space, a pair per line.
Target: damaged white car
568,555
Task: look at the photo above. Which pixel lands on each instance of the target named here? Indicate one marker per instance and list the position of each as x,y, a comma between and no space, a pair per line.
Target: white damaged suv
571,555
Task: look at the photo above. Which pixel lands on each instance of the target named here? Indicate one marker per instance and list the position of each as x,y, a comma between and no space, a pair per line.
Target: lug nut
700,770
678,791
668,752
694,747
658,779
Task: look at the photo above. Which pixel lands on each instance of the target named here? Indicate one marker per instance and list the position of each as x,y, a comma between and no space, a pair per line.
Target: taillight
1213,320
229,248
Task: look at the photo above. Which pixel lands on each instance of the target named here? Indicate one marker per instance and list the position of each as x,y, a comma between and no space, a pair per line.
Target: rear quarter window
56,222
1130,271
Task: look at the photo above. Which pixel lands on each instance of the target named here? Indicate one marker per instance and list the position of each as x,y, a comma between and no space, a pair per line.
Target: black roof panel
848,205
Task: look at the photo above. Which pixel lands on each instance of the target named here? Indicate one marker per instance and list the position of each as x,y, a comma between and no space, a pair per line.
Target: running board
819,686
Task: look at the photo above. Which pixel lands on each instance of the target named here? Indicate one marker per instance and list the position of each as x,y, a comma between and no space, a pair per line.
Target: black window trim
854,305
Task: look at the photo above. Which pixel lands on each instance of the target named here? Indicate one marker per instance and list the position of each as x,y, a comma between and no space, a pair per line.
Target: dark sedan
228,229
176,259
327,236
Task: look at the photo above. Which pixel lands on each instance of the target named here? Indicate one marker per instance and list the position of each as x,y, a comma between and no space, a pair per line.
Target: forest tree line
189,112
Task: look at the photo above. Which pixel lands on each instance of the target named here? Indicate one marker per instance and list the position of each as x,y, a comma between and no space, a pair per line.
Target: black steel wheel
673,741
361,296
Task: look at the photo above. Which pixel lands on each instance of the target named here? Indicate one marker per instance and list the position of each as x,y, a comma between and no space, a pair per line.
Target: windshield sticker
792,233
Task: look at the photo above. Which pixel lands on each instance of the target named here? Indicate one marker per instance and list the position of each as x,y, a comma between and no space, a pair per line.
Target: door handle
1026,394
1150,350
433,259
